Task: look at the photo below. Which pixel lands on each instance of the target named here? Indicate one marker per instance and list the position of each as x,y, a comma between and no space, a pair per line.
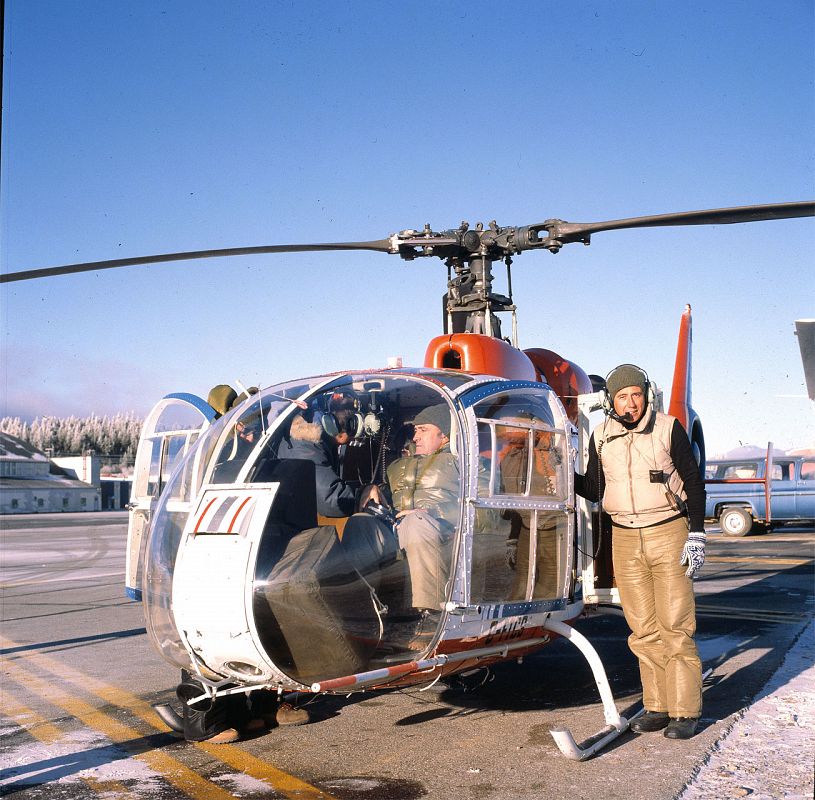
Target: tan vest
628,456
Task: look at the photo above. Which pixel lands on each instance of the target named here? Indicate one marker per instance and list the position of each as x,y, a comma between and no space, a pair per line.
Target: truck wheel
735,522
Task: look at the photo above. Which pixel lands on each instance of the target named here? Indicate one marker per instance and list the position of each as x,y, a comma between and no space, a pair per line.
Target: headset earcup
354,425
329,423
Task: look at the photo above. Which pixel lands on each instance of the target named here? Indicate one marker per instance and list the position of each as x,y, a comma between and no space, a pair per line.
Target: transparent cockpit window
234,438
550,554
494,557
173,508
149,481
526,458
522,461
452,380
512,460
178,417
166,529
549,459
518,407
317,617
238,441
157,586
182,487
363,591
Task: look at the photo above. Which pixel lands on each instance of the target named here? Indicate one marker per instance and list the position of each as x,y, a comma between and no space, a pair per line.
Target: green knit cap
623,376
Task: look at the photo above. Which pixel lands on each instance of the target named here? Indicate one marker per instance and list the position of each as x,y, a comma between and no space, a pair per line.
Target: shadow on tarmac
99,637
63,766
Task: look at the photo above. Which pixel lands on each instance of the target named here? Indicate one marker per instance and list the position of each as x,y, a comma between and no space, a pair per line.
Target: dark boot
650,721
682,727
217,720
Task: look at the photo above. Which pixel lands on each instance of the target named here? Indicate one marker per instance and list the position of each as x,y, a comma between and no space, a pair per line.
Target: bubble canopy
260,568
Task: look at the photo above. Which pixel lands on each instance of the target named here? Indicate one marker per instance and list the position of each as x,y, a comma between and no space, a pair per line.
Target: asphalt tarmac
78,677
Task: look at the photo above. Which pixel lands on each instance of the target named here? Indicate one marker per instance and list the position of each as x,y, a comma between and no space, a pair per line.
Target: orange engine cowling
475,352
565,377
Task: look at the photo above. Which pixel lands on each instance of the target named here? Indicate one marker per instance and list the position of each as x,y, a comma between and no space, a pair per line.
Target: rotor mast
470,304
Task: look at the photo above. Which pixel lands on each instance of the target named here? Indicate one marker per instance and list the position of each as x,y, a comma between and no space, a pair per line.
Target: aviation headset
349,421
608,401
334,426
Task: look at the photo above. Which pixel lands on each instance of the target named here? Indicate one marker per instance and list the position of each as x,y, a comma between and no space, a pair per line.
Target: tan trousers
659,608
547,574
427,542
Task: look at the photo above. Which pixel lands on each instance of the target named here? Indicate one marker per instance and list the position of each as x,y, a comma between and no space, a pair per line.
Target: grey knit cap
623,376
438,415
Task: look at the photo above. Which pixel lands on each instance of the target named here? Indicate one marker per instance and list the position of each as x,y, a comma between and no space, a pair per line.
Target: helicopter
249,581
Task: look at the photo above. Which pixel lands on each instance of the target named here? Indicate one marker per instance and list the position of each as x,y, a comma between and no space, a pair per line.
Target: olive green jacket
428,482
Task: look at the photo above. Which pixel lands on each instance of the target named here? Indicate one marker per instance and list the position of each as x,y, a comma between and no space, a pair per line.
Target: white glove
693,553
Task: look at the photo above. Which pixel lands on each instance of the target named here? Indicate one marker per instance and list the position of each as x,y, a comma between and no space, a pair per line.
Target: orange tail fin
680,405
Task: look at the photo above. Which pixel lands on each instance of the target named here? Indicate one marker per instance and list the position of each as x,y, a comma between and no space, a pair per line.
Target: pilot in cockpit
318,438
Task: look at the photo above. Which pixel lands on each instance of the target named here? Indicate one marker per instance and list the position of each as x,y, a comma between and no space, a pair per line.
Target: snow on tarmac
78,756
768,752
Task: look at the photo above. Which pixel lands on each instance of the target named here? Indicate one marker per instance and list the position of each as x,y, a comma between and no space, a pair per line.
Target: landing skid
171,718
615,724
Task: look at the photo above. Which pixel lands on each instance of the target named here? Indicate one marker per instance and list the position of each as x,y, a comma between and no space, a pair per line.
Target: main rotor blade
574,231
381,245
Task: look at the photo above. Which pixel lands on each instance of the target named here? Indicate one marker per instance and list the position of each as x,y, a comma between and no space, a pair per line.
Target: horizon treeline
72,436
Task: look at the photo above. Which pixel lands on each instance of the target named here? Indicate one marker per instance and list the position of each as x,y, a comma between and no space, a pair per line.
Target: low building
30,483
115,492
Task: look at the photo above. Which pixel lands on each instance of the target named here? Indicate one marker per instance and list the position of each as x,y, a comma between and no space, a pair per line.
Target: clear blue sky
137,128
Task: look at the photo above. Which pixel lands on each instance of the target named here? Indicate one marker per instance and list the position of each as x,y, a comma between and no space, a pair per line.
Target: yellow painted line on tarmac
34,722
16,583
238,759
245,762
755,614
40,728
768,561
109,789
183,778
764,538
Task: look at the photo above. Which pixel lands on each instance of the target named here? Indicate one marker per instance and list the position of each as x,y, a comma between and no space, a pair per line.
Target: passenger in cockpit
425,491
309,439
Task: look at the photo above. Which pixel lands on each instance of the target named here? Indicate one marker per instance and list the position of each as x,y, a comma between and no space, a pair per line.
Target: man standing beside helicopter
642,467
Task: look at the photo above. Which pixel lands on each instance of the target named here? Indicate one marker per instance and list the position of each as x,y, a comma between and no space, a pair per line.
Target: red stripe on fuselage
237,513
203,514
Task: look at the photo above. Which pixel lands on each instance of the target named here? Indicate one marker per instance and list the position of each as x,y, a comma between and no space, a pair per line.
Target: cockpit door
169,431
520,484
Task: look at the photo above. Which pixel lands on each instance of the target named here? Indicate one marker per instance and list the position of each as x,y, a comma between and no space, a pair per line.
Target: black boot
218,719
650,721
681,727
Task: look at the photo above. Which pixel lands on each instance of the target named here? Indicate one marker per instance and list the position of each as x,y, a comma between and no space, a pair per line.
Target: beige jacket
628,457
